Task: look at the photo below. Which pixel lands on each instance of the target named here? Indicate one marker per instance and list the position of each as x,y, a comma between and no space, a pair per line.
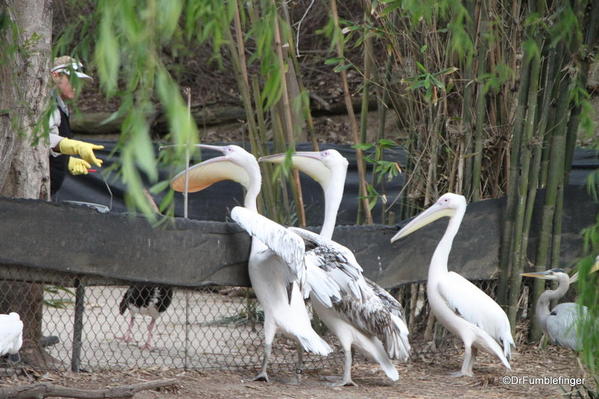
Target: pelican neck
441,255
333,194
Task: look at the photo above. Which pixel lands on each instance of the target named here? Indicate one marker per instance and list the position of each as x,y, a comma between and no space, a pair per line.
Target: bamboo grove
490,98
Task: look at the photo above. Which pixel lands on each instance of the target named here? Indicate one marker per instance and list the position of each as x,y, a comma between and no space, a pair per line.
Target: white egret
277,268
372,320
458,304
559,323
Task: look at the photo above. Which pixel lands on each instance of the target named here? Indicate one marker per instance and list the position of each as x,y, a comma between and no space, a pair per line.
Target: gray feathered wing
365,305
291,248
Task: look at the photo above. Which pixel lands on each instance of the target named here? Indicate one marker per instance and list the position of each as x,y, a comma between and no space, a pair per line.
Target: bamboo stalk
480,118
268,191
524,166
288,117
555,176
352,120
505,260
368,72
465,164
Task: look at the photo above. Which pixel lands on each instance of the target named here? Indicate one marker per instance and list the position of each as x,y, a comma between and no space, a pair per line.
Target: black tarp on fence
190,253
215,202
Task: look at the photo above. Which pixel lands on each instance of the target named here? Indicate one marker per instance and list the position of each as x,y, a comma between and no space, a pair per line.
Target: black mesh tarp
215,202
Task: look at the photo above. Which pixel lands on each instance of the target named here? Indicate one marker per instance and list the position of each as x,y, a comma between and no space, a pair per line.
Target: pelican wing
380,316
283,242
388,300
473,305
336,261
11,333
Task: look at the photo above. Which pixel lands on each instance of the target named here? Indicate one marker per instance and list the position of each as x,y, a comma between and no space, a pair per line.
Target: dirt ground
425,376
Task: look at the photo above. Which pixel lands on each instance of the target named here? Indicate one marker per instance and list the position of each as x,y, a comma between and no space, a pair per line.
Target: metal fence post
78,325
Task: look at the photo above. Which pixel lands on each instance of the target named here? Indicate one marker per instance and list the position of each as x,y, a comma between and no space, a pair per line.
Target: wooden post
78,326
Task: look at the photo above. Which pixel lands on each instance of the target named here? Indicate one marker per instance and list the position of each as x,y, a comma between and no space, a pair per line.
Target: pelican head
235,164
448,204
322,166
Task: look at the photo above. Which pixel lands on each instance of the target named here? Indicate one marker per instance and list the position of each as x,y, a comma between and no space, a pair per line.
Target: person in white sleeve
65,153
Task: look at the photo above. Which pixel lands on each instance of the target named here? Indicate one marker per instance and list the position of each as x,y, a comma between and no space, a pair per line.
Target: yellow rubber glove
78,166
81,148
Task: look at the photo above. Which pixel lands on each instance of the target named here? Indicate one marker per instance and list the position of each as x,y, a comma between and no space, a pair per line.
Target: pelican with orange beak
281,270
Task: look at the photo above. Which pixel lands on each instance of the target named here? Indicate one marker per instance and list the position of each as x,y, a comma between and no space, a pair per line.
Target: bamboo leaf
362,146
333,60
168,17
342,67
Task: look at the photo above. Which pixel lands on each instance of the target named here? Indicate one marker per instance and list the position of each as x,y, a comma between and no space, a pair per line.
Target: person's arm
81,148
62,145
53,133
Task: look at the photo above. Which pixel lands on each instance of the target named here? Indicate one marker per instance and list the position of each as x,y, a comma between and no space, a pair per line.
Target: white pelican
11,334
559,323
458,304
146,300
372,321
276,265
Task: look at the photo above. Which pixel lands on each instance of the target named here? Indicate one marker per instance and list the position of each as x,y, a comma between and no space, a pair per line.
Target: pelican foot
461,374
344,383
261,377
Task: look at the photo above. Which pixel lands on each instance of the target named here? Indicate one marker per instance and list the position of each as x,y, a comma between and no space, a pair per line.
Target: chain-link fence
82,327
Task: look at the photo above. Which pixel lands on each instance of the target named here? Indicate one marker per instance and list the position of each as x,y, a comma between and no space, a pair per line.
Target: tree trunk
24,168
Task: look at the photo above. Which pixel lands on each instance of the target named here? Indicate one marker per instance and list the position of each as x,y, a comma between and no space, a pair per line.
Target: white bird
458,304
559,323
11,334
277,268
145,300
371,319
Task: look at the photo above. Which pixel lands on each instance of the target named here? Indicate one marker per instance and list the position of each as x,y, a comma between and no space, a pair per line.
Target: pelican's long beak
307,161
595,268
211,171
542,275
433,213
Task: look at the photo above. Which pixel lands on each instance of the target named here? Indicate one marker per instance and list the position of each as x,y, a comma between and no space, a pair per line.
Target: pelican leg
346,381
269,335
467,364
299,366
471,363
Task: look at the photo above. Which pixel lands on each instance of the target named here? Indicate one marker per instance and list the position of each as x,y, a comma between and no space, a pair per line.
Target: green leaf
342,67
387,143
362,146
168,17
333,60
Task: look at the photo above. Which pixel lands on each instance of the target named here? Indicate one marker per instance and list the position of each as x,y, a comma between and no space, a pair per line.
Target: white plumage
11,334
366,317
276,266
458,304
